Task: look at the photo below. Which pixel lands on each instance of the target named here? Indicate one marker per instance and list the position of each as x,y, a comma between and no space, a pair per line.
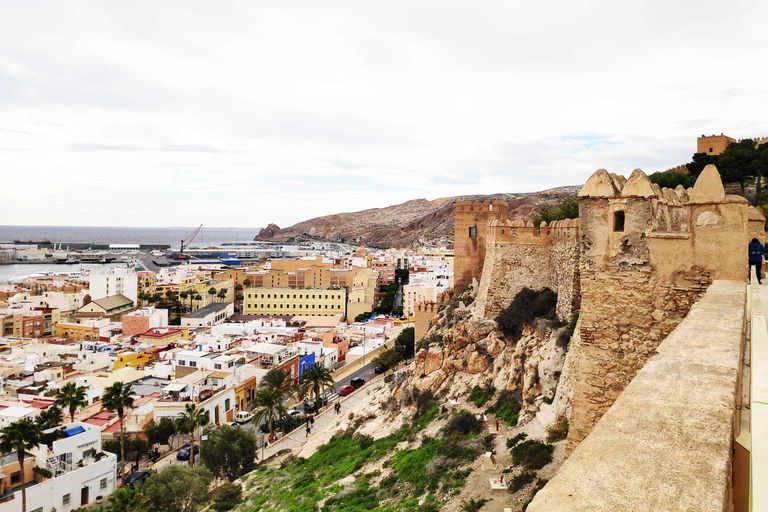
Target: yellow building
77,332
145,284
361,296
131,360
162,336
295,301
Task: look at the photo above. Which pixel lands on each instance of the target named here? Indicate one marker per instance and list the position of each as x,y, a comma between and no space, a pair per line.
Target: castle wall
640,281
469,251
424,314
519,256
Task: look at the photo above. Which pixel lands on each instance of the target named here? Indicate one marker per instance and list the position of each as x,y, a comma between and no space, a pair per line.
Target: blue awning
74,431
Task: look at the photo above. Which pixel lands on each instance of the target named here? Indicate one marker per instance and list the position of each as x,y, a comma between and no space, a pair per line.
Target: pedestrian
756,250
501,480
497,424
309,429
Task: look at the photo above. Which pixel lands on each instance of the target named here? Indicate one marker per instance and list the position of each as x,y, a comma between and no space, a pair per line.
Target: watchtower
471,223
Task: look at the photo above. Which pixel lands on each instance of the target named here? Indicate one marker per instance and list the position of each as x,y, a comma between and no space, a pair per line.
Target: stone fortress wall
471,220
632,265
519,255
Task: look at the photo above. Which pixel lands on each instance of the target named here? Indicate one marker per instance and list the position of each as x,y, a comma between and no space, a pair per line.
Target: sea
107,235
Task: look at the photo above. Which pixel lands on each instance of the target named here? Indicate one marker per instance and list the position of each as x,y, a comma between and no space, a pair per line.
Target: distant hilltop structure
716,144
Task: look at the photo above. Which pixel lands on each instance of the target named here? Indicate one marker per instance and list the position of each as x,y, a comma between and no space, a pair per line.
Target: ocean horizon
126,235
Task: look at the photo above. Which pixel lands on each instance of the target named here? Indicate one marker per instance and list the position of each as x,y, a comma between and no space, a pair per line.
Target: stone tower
470,230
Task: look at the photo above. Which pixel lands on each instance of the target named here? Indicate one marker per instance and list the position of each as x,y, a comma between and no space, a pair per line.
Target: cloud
244,113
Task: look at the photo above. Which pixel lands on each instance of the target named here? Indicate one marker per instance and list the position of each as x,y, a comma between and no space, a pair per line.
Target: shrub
227,497
424,401
506,407
480,396
463,423
520,481
473,505
365,441
558,431
532,454
488,441
525,307
511,443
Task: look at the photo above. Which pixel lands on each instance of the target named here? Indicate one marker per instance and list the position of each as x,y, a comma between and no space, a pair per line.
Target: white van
243,417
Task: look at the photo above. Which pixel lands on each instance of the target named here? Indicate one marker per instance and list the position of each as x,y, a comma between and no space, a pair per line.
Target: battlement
485,206
519,231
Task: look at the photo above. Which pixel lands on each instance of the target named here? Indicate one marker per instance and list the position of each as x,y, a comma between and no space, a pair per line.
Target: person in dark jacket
756,251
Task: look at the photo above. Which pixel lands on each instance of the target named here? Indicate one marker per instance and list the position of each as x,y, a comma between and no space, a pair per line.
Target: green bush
481,396
506,407
532,454
473,505
671,179
558,431
227,497
514,440
525,307
463,423
568,209
520,481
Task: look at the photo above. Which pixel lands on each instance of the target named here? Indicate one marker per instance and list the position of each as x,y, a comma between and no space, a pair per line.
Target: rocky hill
410,223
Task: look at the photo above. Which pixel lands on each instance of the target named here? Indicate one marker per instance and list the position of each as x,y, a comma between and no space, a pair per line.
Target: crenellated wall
520,256
648,254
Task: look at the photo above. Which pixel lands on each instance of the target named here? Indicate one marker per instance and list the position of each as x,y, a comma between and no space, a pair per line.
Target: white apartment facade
117,281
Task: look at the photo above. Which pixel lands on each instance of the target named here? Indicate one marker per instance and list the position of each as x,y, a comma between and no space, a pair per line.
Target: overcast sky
243,113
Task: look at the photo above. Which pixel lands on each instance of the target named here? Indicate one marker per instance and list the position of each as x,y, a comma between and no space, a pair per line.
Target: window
103,483
193,364
473,232
618,222
711,150
65,499
226,405
16,478
217,366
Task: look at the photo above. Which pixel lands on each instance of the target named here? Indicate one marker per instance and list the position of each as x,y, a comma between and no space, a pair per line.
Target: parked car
184,452
232,424
380,368
295,413
137,477
309,407
345,390
243,417
357,382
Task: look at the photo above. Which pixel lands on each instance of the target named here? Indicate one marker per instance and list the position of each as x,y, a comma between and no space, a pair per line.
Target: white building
210,315
10,415
82,472
419,292
117,281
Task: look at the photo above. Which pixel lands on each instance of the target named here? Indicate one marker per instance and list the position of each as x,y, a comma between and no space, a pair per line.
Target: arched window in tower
618,222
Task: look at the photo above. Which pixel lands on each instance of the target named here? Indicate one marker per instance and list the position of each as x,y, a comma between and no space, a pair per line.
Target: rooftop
207,310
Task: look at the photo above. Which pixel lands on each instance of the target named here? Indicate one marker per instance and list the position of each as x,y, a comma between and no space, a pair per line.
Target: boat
30,242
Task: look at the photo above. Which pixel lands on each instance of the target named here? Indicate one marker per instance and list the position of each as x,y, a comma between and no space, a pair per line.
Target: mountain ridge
413,222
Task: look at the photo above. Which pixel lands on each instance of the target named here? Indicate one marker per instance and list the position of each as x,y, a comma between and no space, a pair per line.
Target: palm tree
49,418
183,296
278,379
212,292
20,436
198,298
72,397
316,379
222,294
192,419
117,398
126,500
270,408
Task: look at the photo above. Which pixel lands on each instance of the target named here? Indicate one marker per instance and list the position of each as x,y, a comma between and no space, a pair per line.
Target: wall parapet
671,429
485,206
523,231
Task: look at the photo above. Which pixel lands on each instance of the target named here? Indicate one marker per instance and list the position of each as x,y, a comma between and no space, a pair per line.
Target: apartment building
293,301
117,281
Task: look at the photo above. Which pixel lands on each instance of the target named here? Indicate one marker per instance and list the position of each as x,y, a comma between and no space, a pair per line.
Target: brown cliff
410,223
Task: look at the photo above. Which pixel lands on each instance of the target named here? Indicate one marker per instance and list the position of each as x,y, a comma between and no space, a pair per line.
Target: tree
246,282
671,179
568,209
177,488
405,343
315,380
222,294
212,292
20,436
192,420
269,407
699,162
135,448
227,497
49,418
72,397
229,452
126,500
278,379
161,432
118,398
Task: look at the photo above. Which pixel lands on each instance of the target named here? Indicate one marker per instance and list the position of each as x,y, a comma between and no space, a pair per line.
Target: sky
146,113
